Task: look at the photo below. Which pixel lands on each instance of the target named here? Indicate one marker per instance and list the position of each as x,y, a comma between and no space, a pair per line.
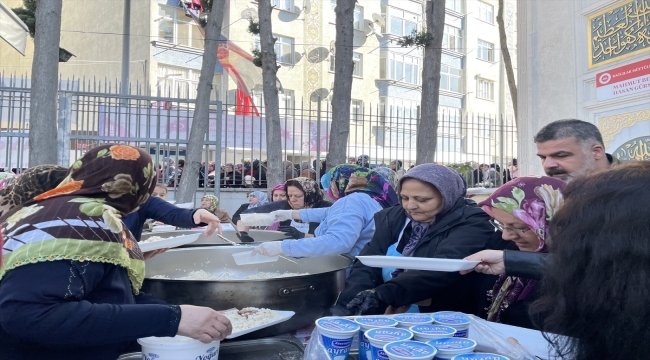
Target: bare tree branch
507,60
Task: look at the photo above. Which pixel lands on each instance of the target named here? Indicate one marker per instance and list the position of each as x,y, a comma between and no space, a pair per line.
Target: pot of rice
208,276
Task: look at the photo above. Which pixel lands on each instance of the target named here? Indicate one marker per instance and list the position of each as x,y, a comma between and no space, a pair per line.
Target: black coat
463,231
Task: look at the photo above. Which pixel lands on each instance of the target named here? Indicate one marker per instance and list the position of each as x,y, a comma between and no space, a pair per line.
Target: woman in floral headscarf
522,210
346,226
72,271
211,203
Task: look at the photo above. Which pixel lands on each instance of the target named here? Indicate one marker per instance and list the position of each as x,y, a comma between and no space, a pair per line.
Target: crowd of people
566,253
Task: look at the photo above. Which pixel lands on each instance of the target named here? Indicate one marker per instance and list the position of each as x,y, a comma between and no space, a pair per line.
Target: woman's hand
367,301
284,215
204,216
491,262
203,324
292,232
270,248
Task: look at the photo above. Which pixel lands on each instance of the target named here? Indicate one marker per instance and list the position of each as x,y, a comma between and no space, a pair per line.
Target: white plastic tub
381,336
409,350
450,347
457,320
428,332
369,323
177,348
336,335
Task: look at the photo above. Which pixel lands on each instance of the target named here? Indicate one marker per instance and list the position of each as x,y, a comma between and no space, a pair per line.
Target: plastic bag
490,340
315,349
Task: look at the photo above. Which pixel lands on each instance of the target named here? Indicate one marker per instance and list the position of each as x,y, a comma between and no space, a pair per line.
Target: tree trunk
343,68
201,117
45,70
274,173
427,138
507,60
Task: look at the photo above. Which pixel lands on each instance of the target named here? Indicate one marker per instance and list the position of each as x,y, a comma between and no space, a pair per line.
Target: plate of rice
158,242
251,319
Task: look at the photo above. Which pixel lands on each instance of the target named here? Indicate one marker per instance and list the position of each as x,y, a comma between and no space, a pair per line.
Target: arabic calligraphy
619,32
636,149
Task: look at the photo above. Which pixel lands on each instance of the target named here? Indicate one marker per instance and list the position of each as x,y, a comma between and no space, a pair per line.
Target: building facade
585,59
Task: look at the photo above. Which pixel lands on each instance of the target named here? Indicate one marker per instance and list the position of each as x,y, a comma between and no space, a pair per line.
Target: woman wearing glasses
521,209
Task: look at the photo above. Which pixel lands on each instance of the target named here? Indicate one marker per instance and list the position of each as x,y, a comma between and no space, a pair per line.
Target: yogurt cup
450,347
368,323
480,356
177,347
457,320
337,334
407,320
428,332
409,350
381,336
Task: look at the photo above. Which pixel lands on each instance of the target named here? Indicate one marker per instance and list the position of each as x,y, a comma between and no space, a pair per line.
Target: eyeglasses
497,225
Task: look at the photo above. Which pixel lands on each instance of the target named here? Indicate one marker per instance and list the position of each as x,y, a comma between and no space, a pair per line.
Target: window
449,120
485,51
283,4
486,12
283,48
357,59
485,89
402,22
356,110
483,125
452,39
176,28
286,102
181,82
358,17
455,5
450,78
403,68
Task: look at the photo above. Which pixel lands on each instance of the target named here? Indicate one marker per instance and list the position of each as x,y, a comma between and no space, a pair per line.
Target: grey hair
585,133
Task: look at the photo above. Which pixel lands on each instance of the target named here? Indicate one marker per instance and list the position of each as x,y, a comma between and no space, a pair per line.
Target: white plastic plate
417,263
286,315
247,257
168,242
257,219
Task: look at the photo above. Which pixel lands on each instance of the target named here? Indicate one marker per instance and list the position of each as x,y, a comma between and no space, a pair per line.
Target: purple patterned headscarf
450,185
533,200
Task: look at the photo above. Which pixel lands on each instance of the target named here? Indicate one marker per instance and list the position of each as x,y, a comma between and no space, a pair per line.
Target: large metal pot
308,295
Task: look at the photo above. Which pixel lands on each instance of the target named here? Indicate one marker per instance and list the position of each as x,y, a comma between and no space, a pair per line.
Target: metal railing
91,112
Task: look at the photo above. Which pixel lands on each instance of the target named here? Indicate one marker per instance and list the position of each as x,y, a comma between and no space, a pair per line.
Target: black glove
339,310
292,232
244,237
367,302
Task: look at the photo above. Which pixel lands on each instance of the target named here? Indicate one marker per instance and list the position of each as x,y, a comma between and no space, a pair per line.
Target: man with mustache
569,148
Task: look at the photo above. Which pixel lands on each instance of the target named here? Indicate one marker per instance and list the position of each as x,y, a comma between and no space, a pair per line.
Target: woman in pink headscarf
521,209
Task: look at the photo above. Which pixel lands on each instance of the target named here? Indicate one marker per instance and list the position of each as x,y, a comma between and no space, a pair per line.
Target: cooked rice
152,239
249,317
257,219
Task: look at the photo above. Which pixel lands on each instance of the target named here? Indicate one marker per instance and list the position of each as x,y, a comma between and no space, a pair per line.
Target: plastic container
480,356
381,336
409,350
337,334
457,320
177,347
450,347
247,258
407,320
368,323
257,219
428,332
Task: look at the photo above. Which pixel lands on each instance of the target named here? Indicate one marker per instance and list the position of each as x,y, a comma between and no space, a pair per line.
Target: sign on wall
618,32
625,80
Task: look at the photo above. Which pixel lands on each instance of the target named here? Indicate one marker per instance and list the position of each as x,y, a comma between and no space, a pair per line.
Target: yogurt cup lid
479,356
453,344
451,318
428,329
337,324
177,342
413,318
410,350
388,334
375,321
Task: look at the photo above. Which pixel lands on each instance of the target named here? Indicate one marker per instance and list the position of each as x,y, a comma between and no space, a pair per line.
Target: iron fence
91,112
